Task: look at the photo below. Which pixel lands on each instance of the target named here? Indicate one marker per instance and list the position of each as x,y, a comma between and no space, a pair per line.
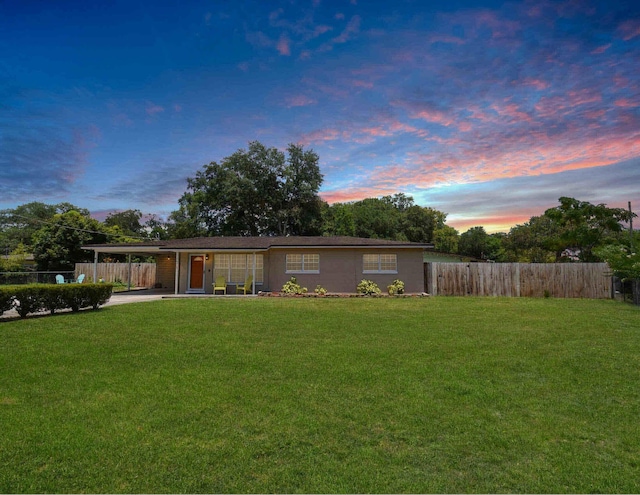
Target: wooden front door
196,272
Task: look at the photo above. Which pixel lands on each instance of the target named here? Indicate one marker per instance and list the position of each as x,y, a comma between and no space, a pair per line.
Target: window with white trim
379,263
235,268
303,263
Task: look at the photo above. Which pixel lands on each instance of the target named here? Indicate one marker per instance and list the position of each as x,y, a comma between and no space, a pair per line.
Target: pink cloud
351,29
284,45
625,103
601,49
299,101
443,38
536,83
153,109
362,84
513,111
434,116
629,29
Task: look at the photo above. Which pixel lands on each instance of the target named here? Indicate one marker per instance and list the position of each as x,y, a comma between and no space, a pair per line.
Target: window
379,263
236,267
303,263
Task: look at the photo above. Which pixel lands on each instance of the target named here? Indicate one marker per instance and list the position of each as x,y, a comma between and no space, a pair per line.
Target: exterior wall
166,270
341,270
208,273
183,276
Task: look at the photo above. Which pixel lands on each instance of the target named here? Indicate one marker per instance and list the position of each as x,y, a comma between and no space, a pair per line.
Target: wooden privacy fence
142,274
585,280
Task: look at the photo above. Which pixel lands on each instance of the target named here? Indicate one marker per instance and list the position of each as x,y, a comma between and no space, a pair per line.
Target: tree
58,245
128,221
17,225
15,261
377,218
259,191
474,242
446,239
338,219
156,228
584,226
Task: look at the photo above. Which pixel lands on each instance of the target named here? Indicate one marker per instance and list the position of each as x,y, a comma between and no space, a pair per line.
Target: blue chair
80,278
59,279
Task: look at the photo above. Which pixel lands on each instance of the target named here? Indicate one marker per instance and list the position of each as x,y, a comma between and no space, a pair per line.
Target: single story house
190,266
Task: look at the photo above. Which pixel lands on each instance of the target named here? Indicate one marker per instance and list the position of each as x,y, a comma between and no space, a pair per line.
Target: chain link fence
21,278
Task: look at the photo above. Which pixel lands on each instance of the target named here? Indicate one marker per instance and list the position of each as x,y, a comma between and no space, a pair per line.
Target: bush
368,288
321,291
397,287
51,297
98,294
30,299
6,299
292,287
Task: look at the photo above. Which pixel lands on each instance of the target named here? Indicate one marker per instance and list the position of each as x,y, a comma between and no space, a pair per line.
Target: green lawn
324,395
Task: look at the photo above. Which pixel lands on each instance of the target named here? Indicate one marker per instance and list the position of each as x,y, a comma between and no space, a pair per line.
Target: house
190,266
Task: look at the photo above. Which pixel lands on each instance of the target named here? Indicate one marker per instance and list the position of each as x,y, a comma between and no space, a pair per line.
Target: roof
255,243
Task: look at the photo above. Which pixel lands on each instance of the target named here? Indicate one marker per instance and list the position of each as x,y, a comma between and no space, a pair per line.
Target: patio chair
59,279
220,284
80,278
246,287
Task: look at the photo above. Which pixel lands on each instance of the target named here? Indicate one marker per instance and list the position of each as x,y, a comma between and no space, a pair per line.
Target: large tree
128,221
258,191
583,226
58,244
394,217
17,225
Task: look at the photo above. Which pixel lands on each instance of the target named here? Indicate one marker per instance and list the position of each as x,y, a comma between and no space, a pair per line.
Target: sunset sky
488,111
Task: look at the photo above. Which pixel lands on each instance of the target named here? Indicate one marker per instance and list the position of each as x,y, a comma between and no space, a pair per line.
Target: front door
196,273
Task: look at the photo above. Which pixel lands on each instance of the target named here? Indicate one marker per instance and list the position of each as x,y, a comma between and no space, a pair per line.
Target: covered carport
141,249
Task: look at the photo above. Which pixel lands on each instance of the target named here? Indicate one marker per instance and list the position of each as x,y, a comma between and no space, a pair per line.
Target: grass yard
324,395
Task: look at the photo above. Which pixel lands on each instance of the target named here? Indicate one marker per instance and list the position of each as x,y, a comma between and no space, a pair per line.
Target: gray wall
340,270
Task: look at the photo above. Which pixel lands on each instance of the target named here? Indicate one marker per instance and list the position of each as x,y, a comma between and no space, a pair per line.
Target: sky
488,111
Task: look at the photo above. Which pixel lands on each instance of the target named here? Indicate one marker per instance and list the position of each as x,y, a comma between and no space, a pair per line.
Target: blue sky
488,111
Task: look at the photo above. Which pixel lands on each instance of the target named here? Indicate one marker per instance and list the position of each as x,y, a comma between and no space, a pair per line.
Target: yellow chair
220,284
246,287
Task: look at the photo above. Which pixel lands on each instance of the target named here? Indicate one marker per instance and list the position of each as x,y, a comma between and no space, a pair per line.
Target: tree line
265,191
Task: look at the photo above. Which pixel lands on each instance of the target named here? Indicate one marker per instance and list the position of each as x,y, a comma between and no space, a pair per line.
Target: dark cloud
158,185
40,155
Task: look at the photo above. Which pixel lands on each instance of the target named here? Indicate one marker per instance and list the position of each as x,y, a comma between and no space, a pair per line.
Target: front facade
338,264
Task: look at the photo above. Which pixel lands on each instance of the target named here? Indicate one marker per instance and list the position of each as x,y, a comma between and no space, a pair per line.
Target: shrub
51,297
368,288
397,287
292,287
30,299
321,291
6,299
98,294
